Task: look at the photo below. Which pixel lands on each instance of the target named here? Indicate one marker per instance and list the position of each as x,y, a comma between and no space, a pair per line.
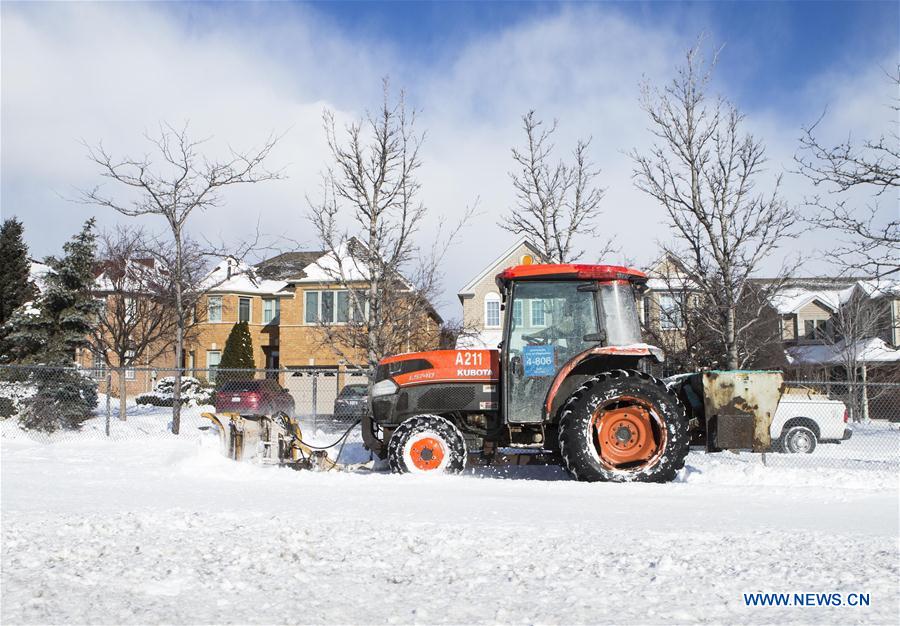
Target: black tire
419,428
577,442
798,439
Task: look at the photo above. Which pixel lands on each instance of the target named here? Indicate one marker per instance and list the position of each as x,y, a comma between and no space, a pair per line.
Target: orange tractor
568,385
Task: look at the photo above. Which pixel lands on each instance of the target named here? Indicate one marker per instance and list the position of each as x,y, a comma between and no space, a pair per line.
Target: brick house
284,300
111,292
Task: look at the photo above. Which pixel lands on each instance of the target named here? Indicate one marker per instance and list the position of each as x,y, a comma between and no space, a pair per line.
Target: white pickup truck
805,418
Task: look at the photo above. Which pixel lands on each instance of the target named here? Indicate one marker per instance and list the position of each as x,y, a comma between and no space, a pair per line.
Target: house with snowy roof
807,309
285,300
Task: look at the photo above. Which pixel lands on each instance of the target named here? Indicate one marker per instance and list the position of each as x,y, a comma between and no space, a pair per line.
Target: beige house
480,298
804,307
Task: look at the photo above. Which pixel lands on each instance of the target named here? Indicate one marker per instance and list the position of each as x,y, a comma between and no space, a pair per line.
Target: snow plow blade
265,439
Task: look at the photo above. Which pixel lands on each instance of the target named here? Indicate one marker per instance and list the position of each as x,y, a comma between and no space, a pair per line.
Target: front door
547,324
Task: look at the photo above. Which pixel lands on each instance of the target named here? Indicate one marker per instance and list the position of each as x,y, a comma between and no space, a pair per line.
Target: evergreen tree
237,354
16,285
51,333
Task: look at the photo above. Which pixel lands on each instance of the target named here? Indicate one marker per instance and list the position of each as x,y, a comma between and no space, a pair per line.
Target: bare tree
863,314
555,201
137,322
675,321
869,241
180,183
703,170
670,319
366,220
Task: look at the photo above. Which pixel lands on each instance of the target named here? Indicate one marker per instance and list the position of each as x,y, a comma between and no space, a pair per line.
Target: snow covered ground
153,528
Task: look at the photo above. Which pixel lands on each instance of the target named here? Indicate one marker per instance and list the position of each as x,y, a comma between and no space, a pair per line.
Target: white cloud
108,71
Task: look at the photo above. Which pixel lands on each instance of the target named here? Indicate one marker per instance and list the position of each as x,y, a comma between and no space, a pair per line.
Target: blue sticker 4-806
538,360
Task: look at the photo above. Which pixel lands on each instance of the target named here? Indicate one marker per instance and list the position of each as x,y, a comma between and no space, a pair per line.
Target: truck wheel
427,444
623,426
798,440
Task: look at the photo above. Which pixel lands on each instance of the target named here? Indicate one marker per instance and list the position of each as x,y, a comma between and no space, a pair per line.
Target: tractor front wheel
427,444
623,426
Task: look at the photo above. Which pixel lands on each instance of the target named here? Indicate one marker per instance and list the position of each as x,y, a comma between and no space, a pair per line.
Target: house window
332,307
343,307
130,309
645,309
98,366
492,311
271,310
244,310
312,307
361,306
326,303
814,329
537,313
517,313
129,362
670,310
214,308
213,358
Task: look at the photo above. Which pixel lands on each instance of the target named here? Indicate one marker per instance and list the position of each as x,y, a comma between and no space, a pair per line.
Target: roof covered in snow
792,299
333,266
872,350
287,266
38,273
876,288
231,275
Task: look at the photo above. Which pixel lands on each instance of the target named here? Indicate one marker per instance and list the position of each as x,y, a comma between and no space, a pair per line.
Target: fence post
108,401
315,400
865,394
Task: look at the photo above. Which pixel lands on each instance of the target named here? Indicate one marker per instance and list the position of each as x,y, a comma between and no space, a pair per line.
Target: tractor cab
558,317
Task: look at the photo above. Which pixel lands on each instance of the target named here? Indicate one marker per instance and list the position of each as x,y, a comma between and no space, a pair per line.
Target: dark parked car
352,402
256,397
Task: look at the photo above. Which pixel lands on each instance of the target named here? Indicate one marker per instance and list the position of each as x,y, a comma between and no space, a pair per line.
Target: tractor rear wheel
623,426
427,444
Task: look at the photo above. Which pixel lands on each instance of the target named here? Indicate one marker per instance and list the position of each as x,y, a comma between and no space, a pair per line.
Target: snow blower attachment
267,439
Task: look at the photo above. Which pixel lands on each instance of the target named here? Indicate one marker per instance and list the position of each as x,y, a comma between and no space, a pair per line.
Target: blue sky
73,71
770,43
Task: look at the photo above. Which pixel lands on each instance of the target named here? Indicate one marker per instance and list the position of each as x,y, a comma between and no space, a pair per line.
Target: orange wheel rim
624,435
427,453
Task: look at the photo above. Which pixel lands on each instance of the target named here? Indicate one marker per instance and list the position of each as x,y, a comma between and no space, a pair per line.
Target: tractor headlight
385,387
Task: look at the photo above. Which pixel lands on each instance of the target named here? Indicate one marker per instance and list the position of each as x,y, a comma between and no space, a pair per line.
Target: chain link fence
67,404
817,424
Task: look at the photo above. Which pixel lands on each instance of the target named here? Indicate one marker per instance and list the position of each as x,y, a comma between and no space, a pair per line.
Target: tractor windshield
618,307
